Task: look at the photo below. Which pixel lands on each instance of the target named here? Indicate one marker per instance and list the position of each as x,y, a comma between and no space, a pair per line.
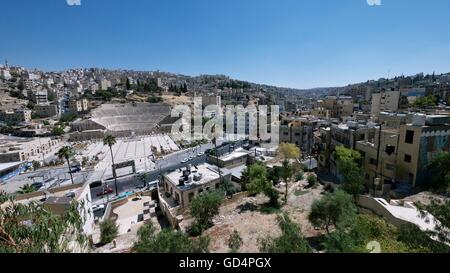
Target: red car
105,191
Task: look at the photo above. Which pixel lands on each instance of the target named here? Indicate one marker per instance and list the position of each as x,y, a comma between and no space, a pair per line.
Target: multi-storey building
400,157
385,101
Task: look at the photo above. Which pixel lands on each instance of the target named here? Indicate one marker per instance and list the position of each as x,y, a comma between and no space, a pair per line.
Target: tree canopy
332,209
348,166
288,151
290,241
31,228
168,241
441,166
204,207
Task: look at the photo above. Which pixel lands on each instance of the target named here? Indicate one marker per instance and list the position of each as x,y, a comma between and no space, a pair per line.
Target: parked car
96,208
105,191
200,154
37,186
184,160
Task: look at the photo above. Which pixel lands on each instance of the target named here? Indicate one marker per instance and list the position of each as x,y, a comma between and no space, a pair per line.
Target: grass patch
300,193
267,209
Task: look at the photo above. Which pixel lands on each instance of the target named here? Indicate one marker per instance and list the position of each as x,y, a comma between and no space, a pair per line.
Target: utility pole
378,160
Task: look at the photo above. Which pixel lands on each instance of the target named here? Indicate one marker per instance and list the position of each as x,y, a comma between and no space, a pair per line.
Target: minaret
6,63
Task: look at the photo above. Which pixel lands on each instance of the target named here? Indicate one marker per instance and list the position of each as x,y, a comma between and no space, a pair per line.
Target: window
200,191
390,167
191,196
408,158
409,138
372,161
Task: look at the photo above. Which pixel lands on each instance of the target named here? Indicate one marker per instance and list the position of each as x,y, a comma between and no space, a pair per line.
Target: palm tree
214,141
111,141
26,189
66,153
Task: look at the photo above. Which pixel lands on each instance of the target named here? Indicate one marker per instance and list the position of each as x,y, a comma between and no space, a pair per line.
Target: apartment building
15,116
298,131
387,101
78,105
46,110
38,96
14,149
338,107
181,186
400,156
59,200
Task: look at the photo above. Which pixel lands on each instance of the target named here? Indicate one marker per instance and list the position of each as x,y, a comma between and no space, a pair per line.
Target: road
169,163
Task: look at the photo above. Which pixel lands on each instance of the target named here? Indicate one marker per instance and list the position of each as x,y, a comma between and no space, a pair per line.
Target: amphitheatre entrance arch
123,165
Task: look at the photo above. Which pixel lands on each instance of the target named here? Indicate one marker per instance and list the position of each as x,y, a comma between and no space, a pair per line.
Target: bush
168,241
312,180
235,242
154,99
108,231
299,176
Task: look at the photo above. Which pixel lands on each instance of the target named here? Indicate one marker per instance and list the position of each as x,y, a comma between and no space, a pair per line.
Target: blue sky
292,43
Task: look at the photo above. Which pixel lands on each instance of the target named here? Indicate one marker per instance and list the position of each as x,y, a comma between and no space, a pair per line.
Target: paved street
171,162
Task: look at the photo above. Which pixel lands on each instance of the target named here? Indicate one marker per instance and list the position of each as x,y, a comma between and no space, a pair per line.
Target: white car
191,157
200,154
184,160
96,208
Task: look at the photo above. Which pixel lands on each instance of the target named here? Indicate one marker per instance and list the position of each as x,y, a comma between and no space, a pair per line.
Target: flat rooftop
236,154
207,171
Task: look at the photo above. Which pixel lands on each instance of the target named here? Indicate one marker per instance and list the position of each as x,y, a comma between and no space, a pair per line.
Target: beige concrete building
229,161
13,149
404,154
385,101
15,116
46,110
181,186
78,105
59,200
338,107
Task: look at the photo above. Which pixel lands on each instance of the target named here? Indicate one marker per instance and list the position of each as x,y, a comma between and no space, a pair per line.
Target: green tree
332,209
441,211
31,228
168,241
312,180
288,151
67,152
58,131
440,165
68,117
426,101
108,231
27,188
36,165
4,197
110,141
348,166
286,173
355,237
235,242
204,207
290,241
143,177
258,183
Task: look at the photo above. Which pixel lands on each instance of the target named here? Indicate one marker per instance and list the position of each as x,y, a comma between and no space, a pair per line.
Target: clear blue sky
292,43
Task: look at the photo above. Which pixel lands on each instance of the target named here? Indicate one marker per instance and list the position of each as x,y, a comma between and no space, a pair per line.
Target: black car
37,186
